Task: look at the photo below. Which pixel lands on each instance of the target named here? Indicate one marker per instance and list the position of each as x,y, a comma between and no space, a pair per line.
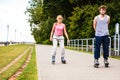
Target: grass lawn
30,72
9,53
72,48
10,71
115,57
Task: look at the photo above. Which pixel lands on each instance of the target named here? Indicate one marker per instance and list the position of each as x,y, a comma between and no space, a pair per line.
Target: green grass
72,48
30,72
10,71
115,57
9,53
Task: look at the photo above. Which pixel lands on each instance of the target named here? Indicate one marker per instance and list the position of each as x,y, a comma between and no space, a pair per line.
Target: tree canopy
78,17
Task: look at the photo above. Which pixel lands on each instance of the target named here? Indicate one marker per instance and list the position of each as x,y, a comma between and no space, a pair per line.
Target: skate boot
53,59
63,60
106,63
96,63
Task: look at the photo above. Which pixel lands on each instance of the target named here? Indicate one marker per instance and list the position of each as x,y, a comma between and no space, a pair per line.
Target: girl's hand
51,38
68,41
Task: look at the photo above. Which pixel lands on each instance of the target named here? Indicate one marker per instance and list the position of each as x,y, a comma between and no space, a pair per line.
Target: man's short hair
102,7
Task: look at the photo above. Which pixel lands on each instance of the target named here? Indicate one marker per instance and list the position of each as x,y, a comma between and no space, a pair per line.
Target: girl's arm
66,34
52,33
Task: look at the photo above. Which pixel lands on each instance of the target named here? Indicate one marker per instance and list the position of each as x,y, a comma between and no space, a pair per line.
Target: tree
81,22
78,17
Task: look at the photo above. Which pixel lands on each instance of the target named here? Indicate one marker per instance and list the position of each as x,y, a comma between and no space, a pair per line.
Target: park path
79,66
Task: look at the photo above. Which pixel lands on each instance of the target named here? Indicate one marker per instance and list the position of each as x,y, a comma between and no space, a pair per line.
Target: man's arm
94,23
108,19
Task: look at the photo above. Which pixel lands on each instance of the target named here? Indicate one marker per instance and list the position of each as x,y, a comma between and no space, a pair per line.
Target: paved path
79,66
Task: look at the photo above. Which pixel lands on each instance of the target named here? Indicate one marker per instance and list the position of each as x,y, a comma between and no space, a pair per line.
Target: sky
12,15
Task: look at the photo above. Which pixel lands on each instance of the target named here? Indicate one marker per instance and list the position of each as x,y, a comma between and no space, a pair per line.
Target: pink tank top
58,29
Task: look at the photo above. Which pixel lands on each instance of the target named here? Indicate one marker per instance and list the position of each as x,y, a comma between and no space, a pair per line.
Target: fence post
82,45
86,45
116,42
110,46
69,44
93,44
78,45
73,44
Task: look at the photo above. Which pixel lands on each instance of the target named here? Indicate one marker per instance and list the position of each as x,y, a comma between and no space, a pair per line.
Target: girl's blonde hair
59,16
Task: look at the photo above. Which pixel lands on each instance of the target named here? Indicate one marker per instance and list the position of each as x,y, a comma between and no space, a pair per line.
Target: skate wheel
53,62
96,65
106,66
64,62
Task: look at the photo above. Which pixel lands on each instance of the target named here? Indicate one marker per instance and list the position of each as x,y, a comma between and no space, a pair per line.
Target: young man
100,26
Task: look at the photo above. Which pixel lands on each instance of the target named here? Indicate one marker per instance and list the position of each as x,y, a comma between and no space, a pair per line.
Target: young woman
57,37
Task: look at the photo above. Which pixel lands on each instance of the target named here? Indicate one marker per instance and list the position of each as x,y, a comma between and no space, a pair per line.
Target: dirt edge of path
21,69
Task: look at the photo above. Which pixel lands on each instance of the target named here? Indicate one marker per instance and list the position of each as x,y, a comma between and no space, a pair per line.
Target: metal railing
117,46
117,40
85,45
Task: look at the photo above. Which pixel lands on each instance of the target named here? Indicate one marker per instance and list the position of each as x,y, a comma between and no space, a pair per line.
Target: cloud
12,14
